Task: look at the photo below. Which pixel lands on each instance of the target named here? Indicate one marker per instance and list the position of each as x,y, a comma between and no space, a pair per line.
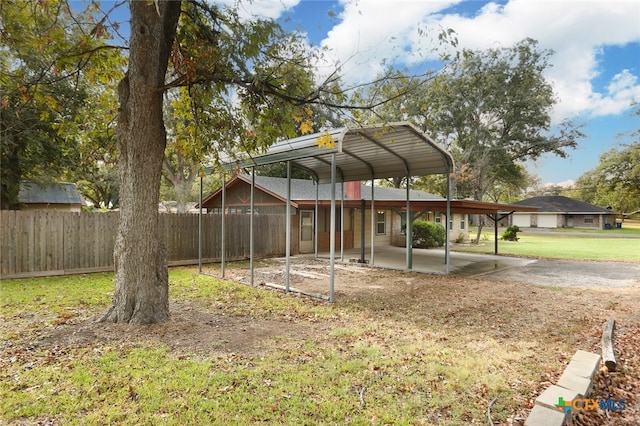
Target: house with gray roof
55,196
563,212
270,197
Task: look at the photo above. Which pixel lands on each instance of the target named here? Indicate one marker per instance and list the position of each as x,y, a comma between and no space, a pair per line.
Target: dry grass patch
397,348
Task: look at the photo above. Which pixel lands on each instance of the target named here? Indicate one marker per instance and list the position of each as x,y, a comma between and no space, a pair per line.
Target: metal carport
347,154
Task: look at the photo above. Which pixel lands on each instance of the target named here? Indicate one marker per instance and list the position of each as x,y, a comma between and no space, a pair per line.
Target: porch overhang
456,206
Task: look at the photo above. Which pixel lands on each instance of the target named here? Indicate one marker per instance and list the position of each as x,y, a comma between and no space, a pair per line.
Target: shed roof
362,153
55,193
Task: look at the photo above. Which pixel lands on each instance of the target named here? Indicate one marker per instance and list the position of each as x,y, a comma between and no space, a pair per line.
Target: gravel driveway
572,274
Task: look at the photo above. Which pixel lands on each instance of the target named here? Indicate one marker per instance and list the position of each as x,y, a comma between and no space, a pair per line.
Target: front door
306,231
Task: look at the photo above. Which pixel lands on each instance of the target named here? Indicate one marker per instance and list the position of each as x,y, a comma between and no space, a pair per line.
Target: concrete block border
575,382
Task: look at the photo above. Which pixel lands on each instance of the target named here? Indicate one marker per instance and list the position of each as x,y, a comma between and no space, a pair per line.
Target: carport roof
362,153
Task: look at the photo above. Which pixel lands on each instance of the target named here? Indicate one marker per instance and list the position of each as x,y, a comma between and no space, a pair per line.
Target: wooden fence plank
39,243
8,242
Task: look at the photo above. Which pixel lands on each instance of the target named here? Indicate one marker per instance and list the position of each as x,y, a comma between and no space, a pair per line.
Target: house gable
238,195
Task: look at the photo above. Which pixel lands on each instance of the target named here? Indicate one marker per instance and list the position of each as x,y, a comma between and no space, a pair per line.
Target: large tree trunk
141,279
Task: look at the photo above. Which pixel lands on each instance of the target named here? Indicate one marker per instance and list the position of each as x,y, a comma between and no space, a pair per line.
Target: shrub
427,234
511,233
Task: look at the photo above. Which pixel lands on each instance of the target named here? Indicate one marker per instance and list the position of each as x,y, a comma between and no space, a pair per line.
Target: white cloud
621,92
250,9
372,33
570,183
373,30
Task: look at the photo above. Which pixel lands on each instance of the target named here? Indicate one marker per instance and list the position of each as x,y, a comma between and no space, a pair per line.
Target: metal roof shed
347,154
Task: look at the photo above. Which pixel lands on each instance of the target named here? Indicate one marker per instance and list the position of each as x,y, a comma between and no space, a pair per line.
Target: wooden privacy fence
40,243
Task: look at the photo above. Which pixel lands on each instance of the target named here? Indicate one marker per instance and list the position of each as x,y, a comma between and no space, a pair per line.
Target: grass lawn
566,244
408,349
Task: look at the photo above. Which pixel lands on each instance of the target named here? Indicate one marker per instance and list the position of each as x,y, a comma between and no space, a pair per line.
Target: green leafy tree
511,187
50,95
34,95
615,181
491,110
185,148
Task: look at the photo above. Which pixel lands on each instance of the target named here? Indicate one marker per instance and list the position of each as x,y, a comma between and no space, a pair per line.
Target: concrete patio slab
433,260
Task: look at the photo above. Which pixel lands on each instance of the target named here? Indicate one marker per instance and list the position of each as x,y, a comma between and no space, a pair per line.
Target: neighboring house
563,212
270,197
55,196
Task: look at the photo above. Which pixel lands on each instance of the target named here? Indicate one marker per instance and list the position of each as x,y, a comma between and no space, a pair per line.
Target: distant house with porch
563,212
352,218
55,196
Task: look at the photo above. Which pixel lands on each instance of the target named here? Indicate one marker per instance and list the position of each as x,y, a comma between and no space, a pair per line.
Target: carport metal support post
496,219
495,231
200,229
373,219
222,225
362,230
251,222
288,230
409,228
315,222
446,227
332,236
342,222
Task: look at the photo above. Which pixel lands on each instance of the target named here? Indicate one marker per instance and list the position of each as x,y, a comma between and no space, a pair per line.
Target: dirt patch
190,330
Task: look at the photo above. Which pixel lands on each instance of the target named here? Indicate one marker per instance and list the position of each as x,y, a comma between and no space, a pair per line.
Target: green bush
427,234
511,233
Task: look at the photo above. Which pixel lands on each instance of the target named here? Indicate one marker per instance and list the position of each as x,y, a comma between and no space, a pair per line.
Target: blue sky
595,69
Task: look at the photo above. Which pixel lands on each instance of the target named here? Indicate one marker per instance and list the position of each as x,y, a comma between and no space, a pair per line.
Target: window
381,228
438,217
461,222
588,219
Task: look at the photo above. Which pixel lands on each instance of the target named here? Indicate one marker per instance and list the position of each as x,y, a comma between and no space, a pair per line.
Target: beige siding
379,240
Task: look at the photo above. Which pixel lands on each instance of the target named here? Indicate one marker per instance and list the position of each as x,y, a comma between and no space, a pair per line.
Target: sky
595,69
